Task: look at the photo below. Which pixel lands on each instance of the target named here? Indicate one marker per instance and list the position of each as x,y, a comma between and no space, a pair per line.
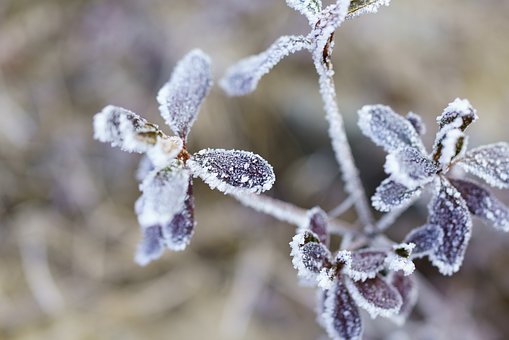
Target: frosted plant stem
339,141
342,207
286,212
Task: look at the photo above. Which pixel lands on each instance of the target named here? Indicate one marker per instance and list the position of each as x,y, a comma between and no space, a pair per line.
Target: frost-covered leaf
426,239
449,211
308,8
376,296
181,97
390,195
177,234
451,141
151,246
388,129
341,316
309,256
232,171
416,122
317,223
407,288
243,77
163,195
144,168
365,263
400,258
359,7
125,129
408,166
483,204
490,163
164,151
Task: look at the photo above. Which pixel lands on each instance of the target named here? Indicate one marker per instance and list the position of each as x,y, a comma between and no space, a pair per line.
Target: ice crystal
483,204
341,316
309,256
376,296
490,163
163,195
408,166
449,211
407,289
232,171
391,194
365,264
388,129
181,97
151,246
426,238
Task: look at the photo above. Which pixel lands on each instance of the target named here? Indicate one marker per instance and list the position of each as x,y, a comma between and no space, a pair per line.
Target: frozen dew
449,145
365,264
225,170
163,195
151,246
490,163
408,166
407,288
329,19
243,77
390,195
388,129
359,7
308,8
124,129
309,256
341,316
483,204
181,97
416,122
426,239
449,211
458,114
399,259
177,233
376,296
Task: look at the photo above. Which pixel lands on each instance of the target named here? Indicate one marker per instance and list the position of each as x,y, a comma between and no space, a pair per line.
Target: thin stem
342,208
287,212
339,140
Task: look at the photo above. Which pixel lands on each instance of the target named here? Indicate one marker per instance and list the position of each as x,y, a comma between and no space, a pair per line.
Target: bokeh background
67,227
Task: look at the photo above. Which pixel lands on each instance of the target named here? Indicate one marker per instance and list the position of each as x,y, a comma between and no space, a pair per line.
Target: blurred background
68,232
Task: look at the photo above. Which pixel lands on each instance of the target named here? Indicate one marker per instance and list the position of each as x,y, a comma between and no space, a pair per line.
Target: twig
342,207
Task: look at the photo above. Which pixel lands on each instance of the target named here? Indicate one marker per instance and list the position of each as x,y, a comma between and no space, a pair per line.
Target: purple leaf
341,316
426,239
232,171
376,296
388,129
243,77
163,195
151,246
416,122
399,259
318,224
449,211
489,162
177,234
390,195
309,256
359,7
407,288
365,263
408,166
181,97
483,204
125,129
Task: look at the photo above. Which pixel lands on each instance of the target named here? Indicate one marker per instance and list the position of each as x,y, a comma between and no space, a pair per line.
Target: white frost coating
377,297
243,77
365,264
366,6
164,151
308,257
395,262
490,163
308,8
163,195
326,278
181,97
329,19
390,195
460,108
449,142
122,128
417,122
425,240
224,170
409,167
144,168
388,129
151,246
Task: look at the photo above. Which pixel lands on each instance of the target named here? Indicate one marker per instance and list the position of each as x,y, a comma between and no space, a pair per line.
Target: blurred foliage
67,228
